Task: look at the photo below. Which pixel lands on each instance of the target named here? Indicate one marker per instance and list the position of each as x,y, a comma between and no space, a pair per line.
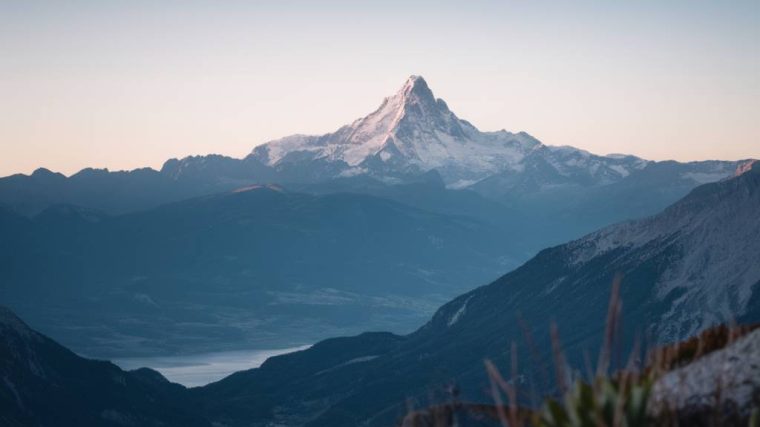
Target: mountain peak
415,78
44,173
412,133
414,91
415,84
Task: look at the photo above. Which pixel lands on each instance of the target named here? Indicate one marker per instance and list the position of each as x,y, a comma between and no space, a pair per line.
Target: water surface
200,369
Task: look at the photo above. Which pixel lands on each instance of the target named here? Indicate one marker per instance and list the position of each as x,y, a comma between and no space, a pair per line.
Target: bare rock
722,387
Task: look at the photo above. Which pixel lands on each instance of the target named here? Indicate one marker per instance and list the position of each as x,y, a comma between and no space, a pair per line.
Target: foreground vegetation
601,399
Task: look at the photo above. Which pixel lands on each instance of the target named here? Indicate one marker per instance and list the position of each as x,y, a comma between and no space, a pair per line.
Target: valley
201,369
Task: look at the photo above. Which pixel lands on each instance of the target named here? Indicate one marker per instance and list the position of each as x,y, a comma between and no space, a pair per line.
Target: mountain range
680,271
370,227
258,267
689,267
410,135
559,193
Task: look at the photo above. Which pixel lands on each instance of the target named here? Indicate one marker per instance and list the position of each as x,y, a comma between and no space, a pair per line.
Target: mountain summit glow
413,132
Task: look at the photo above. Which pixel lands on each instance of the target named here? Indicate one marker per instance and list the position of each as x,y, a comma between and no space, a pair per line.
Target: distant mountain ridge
411,134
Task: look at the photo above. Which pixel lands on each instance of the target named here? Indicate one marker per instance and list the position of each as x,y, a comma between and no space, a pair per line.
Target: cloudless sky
132,83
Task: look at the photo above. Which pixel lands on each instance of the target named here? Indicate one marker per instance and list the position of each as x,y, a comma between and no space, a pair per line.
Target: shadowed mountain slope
258,267
683,270
44,384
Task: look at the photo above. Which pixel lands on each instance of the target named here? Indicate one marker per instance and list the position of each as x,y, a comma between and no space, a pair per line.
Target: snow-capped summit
413,135
411,132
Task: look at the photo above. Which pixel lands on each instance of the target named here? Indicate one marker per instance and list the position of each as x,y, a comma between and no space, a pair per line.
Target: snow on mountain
410,138
412,132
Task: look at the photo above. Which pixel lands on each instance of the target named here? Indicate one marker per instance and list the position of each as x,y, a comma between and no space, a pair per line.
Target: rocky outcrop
721,388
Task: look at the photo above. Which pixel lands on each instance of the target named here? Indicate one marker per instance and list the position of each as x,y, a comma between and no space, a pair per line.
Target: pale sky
132,83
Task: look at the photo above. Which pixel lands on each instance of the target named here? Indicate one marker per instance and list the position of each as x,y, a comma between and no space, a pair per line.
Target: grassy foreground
620,399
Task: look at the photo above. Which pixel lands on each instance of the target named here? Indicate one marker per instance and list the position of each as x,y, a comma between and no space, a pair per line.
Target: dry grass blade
512,391
497,382
613,314
534,353
559,360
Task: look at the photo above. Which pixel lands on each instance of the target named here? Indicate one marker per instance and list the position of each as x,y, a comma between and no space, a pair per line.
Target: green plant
619,402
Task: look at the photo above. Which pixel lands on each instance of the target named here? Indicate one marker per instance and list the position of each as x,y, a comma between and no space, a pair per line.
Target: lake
200,369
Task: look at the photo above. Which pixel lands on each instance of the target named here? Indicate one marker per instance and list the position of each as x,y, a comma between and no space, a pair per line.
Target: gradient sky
133,83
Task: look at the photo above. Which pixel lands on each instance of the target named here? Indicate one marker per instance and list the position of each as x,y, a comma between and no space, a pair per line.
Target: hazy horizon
123,86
